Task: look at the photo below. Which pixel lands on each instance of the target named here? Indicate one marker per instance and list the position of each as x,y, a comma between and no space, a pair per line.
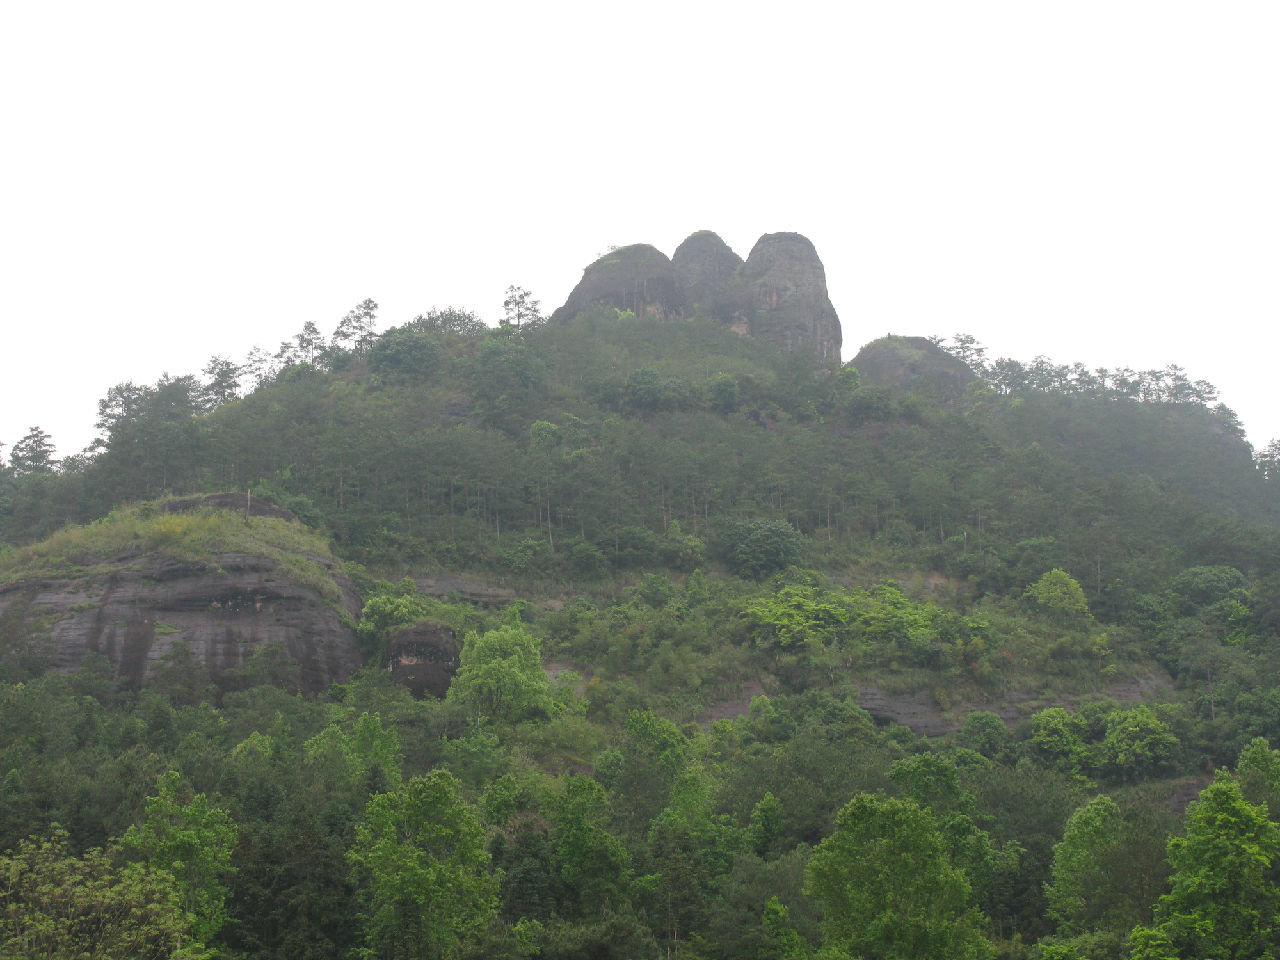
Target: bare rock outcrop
638,278
787,302
424,656
449,586
135,609
707,268
779,294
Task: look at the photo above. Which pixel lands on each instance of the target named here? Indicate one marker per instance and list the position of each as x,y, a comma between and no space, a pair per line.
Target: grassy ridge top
199,536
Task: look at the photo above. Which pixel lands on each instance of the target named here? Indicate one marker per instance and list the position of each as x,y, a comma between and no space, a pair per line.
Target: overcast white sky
1094,181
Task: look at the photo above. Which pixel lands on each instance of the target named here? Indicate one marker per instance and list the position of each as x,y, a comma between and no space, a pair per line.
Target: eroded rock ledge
136,608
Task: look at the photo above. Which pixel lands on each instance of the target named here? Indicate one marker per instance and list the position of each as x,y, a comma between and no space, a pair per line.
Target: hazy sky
1094,181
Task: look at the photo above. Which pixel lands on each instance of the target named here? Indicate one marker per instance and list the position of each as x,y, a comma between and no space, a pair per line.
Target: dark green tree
33,454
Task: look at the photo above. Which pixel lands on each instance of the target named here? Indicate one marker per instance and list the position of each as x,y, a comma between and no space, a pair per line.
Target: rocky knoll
135,607
916,364
778,294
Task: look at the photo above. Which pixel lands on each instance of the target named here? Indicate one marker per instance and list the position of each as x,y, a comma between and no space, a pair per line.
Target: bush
757,548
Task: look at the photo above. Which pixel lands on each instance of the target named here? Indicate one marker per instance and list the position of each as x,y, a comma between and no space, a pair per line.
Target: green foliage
422,870
1098,876
501,677
1058,593
56,906
192,842
587,464
984,732
1258,773
1120,744
591,862
755,548
404,351
889,888
367,751
1223,902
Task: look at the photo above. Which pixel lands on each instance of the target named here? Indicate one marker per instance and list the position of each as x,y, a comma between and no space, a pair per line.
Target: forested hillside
751,656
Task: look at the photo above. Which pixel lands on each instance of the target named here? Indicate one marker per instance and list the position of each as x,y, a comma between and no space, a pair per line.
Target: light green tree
1223,903
889,889
1059,594
421,868
193,841
55,906
501,676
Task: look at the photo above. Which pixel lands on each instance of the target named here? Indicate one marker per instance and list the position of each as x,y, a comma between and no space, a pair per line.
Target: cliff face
134,589
787,296
778,294
638,278
707,269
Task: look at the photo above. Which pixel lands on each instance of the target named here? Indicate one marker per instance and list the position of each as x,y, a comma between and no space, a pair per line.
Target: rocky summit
778,294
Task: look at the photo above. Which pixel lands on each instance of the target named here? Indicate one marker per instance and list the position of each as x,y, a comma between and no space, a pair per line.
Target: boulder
778,294
707,269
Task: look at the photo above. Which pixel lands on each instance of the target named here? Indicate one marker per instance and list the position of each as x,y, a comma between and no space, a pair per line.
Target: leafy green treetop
193,841
1223,903
54,905
420,862
1059,594
888,888
501,676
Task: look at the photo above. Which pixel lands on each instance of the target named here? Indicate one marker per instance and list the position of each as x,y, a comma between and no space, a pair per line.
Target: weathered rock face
136,608
424,656
913,363
638,278
779,294
469,589
787,302
707,268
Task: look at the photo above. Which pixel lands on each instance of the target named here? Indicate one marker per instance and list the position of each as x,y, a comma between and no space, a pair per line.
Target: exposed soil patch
919,709
735,707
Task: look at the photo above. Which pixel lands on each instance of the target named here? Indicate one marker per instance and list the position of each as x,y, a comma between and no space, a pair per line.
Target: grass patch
198,537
